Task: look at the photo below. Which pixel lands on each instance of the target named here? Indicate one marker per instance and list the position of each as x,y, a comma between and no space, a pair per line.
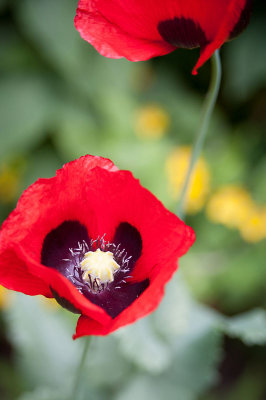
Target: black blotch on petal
57,243
243,20
114,301
182,32
129,239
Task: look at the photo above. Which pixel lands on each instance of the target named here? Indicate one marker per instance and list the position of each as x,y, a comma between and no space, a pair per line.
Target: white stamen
99,265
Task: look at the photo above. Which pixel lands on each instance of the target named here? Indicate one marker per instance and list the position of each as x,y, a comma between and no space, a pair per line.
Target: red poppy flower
96,240
141,29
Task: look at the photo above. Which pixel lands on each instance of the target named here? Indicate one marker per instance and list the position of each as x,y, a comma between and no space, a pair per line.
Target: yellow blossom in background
4,297
176,169
229,206
253,228
9,184
152,122
234,207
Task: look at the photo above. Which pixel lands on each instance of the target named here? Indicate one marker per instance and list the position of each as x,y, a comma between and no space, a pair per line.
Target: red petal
42,207
49,202
14,275
163,234
118,28
227,25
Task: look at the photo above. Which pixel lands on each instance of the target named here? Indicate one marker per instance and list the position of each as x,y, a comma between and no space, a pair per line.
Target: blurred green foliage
59,99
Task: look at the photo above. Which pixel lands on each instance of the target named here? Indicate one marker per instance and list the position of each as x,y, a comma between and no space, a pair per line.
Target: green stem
79,369
207,110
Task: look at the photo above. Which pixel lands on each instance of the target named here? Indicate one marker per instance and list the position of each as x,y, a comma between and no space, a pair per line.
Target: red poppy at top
141,29
94,239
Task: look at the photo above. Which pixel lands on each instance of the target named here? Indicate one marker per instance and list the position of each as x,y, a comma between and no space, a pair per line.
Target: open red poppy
96,240
141,29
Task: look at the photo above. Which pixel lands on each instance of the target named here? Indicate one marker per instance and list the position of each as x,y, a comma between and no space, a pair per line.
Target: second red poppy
142,29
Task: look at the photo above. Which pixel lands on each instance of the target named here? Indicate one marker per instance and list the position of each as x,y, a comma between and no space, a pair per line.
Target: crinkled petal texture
141,29
103,202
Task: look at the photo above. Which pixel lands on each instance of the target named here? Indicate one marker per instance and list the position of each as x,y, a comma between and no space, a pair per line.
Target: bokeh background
59,99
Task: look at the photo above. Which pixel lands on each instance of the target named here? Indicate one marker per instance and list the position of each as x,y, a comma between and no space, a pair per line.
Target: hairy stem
206,114
79,369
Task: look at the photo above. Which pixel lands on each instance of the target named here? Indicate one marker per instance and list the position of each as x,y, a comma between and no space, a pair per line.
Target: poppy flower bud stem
207,110
79,370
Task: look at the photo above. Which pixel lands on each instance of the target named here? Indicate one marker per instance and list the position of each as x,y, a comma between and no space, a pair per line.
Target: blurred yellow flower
152,122
9,184
233,207
254,227
4,297
176,169
230,206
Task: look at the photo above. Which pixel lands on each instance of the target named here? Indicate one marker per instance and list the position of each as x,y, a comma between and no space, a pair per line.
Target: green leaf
44,393
76,133
3,4
250,327
172,318
150,158
61,43
179,312
105,366
47,354
192,372
25,108
15,54
236,284
140,345
246,62
43,339
41,164
196,359
11,382
146,387
64,49
194,339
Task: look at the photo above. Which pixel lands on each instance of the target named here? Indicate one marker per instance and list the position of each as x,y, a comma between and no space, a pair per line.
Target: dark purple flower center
182,32
64,249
